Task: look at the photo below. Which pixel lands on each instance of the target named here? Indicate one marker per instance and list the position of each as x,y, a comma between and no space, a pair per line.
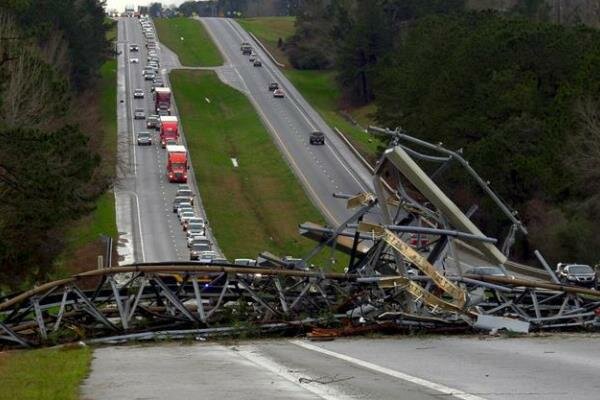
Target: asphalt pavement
322,170
407,368
149,230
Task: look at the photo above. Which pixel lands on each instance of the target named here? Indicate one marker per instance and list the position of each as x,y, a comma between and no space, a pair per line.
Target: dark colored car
317,138
273,86
152,121
257,63
576,274
144,138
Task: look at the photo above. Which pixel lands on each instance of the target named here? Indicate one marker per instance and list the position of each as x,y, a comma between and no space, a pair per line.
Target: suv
317,138
577,274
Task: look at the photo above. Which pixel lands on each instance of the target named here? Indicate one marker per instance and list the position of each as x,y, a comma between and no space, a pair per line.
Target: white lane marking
391,372
137,202
322,391
128,91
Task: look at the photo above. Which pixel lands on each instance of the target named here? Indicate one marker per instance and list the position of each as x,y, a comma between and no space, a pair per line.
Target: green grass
196,49
268,30
102,220
45,374
258,205
321,91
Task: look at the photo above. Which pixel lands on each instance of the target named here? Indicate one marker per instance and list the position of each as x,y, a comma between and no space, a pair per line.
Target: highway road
322,170
468,368
149,230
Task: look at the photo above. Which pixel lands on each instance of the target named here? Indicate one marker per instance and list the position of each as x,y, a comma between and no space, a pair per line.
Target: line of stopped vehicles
162,121
315,137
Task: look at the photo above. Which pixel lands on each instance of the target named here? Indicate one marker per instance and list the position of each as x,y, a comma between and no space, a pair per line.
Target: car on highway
195,230
178,201
317,137
195,220
152,121
576,274
273,86
192,238
207,256
139,113
134,47
252,58
186,215
134,60
144,138
186,193
138,94
257,63
243,45
184,207
156,83
196,249
150,76
278,93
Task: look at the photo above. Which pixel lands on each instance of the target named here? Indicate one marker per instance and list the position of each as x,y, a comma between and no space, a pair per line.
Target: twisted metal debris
404,271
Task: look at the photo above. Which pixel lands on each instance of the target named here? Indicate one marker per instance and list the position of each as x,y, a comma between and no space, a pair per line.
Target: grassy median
253,207
44,374
188,38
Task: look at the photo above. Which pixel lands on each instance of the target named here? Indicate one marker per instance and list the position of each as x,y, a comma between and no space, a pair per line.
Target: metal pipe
484,185
542,261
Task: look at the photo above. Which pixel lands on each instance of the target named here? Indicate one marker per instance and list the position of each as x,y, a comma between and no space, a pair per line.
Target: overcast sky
120,4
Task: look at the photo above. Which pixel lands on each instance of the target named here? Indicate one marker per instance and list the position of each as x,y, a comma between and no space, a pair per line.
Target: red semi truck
169,129
177,163
162,99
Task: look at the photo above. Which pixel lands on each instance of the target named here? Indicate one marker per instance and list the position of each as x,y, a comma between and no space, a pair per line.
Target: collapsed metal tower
407,243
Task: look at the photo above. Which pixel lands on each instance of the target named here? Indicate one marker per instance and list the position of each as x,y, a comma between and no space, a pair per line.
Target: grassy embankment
258,205
196,49
82,238
317,86
44,374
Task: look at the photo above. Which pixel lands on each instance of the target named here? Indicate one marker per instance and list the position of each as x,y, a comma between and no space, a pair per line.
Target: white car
207,256
134,60
185,216
192,238
183,209
138,94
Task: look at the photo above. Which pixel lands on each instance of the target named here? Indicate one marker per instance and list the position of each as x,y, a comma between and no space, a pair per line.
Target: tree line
50,55
518,94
